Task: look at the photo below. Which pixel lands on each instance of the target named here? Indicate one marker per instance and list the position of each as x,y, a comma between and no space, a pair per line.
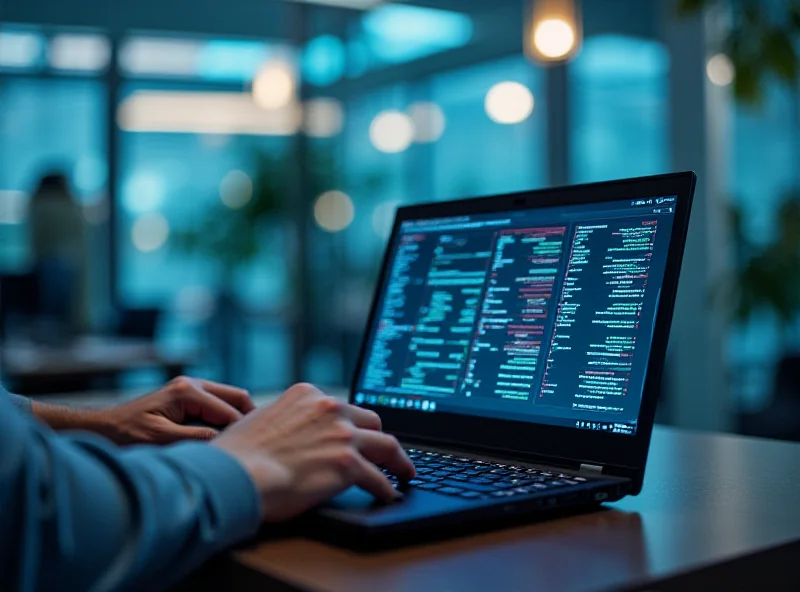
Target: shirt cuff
21,403
235,499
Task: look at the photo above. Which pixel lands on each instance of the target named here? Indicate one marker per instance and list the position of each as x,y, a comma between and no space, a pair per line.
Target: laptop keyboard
469,478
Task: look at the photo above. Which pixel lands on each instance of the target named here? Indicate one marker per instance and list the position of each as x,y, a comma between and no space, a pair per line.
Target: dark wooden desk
714,509
31,368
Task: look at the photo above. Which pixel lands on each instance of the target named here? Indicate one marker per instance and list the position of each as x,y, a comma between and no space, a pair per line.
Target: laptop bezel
618,454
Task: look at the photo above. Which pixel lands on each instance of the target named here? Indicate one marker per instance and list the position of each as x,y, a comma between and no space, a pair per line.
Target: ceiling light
553,30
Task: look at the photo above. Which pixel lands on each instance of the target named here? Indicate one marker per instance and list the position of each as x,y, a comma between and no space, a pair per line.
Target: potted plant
232,237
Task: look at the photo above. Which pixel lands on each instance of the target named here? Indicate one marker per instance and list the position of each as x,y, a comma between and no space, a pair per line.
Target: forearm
79,510
59,417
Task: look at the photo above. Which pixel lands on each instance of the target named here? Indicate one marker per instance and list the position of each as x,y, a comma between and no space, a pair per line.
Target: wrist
60,418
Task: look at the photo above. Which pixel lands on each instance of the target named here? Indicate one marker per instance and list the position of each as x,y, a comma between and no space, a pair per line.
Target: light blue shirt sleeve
78,513
23,403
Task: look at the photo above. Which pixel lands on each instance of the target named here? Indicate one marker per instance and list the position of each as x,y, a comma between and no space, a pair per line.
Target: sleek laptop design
515,348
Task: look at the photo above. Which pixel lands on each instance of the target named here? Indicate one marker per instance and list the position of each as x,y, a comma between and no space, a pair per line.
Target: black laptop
515,348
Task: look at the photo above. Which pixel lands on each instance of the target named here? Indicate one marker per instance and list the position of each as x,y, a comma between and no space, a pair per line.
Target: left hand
158,418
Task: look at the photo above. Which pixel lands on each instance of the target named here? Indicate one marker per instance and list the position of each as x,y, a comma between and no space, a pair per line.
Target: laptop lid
535,323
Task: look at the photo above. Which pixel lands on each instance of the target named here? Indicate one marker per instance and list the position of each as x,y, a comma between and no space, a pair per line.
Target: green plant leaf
779,54
747,83
690,7
794,16
753,15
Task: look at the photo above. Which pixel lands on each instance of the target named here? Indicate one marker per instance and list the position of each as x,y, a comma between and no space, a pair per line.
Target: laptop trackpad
356,498
356,504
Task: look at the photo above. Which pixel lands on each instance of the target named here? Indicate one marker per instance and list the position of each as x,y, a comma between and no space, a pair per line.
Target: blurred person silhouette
60,257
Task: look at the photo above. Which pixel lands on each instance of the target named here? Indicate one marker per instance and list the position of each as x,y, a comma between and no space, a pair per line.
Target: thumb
177,432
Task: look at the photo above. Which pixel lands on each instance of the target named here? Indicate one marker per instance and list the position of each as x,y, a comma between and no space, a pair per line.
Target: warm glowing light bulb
554,38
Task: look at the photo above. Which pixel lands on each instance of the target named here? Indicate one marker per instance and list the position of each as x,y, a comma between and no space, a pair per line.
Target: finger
201,404
232,395
176,432
362,418
383,449
370,479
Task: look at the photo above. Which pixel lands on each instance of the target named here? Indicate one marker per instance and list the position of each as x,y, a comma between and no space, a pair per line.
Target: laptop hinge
587,468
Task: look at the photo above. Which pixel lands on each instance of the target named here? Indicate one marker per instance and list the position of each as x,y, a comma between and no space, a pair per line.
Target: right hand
307,447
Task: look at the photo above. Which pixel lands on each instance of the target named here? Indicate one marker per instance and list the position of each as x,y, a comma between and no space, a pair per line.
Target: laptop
515,348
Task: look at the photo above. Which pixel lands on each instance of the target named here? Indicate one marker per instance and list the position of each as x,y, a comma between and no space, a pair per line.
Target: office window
48,125
397,33
763,168
619,115
478,155
200,120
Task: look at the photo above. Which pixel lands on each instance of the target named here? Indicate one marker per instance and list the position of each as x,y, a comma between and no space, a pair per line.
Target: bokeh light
90,53
391,131
20,50
554,38
323,117
150,232
144,192
90,174
13,207
324,60
334,211
428,121
509,102
720,70
274,86
236,189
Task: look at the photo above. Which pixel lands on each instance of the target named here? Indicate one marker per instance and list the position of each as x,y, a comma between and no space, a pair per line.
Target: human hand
158,418
307,447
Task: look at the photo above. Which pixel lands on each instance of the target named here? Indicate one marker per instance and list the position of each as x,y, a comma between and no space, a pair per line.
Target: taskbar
420,403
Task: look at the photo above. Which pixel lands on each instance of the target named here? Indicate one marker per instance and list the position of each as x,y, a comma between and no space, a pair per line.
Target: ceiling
275,18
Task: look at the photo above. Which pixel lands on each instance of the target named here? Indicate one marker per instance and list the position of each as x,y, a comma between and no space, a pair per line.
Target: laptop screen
543,315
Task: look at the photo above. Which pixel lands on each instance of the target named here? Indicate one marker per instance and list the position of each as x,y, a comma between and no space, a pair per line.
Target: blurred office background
236,166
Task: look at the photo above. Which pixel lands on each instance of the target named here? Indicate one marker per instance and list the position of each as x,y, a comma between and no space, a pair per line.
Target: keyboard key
502,493
415,482
471,495
522,482
429,486
459,477
469,485
450,490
